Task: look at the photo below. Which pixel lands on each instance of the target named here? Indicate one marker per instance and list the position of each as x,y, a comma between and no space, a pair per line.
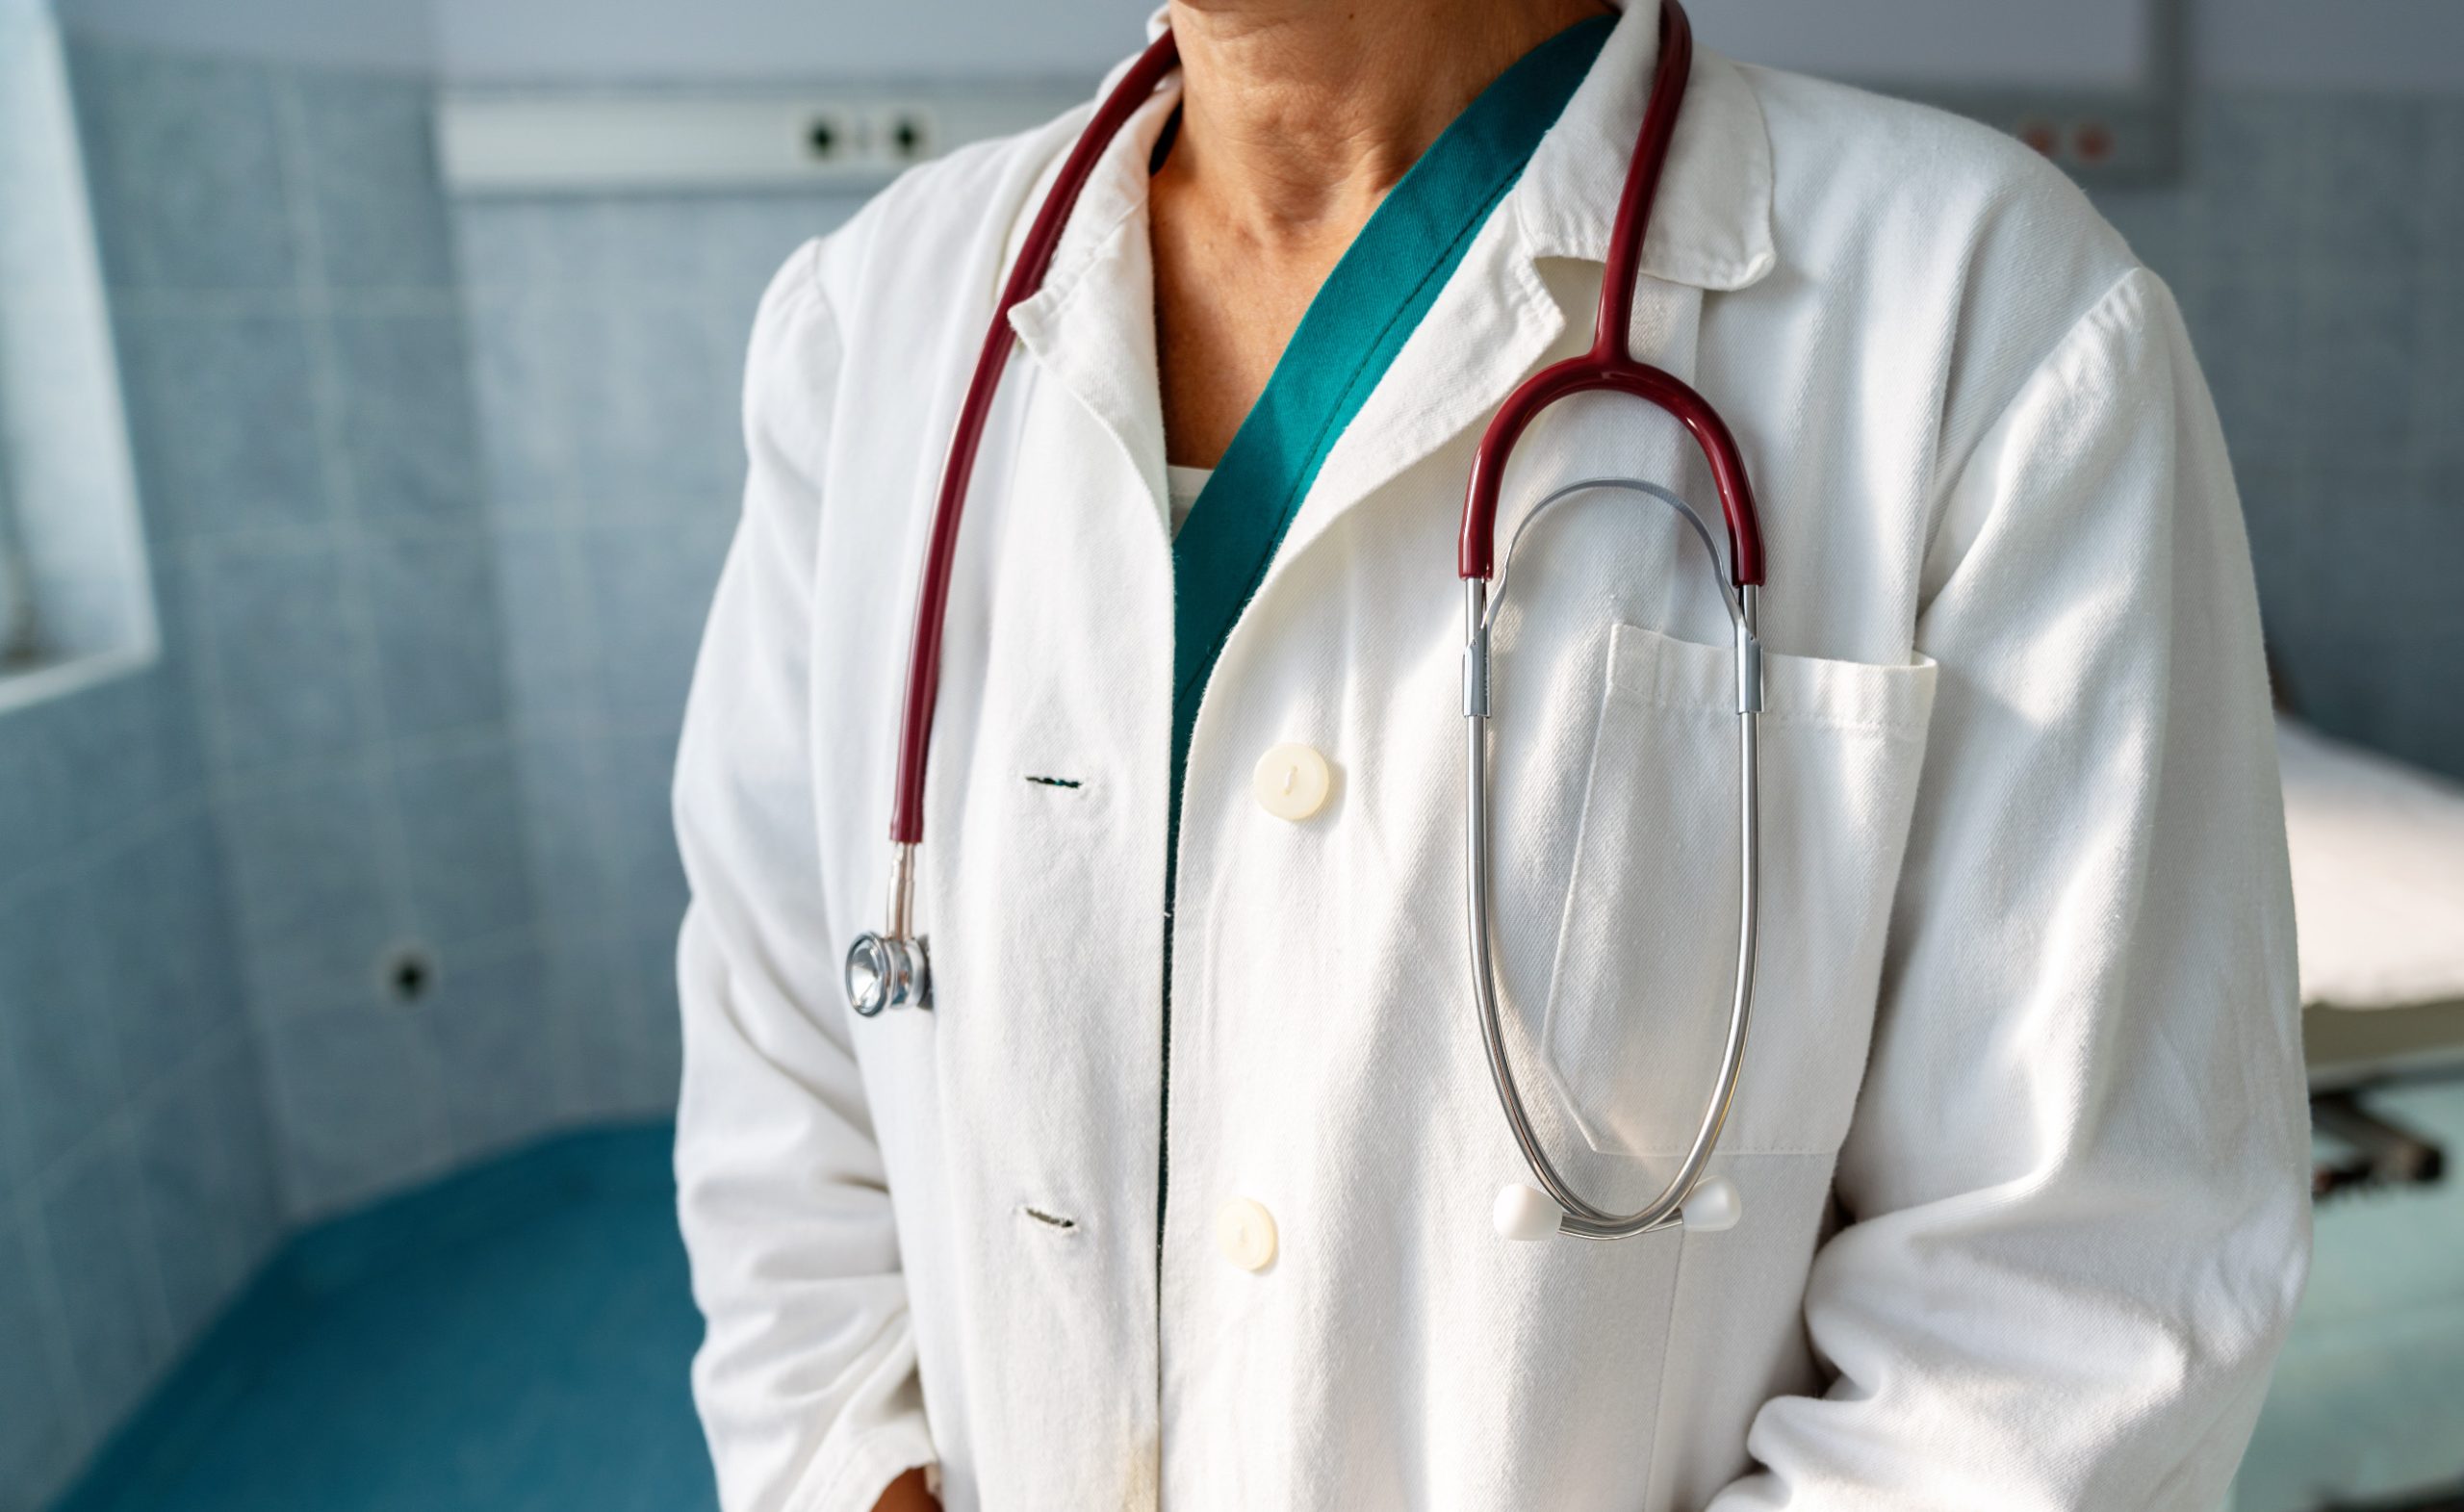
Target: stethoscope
891,968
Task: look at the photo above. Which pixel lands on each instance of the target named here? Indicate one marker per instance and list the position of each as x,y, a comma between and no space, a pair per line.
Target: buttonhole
1054,781
1050,1220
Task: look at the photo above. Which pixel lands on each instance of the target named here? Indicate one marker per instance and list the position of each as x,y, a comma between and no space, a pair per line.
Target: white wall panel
537,41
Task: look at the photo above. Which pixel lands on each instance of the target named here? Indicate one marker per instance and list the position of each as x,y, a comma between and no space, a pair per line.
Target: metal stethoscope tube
1579,1216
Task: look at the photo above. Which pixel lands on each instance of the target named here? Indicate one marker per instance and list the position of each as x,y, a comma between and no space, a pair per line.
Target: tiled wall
440,650
136,1184
291,338
608,336
2315,247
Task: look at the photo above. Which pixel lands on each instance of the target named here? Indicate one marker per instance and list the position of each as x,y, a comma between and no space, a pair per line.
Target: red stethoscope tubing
1610,362
1609,365
1035,259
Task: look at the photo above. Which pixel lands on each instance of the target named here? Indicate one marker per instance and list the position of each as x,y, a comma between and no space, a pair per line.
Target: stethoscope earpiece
1714,1207
1525,1214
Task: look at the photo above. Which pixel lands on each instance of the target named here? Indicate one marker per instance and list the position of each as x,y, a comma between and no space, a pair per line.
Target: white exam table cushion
2377,875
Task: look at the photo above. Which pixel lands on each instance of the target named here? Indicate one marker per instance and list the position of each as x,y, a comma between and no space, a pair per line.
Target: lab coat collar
1091,326
1711,227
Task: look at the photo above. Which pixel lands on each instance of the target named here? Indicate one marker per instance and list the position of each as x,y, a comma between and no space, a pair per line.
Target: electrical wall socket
651,140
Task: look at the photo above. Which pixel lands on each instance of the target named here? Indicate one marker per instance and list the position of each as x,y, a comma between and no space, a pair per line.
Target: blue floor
514,1339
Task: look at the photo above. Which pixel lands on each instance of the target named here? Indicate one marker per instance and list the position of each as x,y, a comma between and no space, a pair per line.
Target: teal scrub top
1361,317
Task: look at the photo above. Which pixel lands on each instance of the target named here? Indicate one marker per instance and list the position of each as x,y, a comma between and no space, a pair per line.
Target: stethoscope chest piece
891,967
887,971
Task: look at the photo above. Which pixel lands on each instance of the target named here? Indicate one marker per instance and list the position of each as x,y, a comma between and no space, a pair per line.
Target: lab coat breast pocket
1645,962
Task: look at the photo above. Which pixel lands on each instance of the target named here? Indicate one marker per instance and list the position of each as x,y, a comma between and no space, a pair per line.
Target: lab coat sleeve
2075,1191
806,1379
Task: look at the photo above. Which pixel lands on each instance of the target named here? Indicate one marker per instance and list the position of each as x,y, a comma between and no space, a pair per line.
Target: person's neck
1298,115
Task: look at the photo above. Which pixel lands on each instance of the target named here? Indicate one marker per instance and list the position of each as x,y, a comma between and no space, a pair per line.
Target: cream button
1246,1232
1292,781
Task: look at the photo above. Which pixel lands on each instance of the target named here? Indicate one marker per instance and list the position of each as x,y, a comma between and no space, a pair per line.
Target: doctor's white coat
2020,1134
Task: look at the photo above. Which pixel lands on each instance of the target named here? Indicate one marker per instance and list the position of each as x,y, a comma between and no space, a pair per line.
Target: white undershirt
1183,484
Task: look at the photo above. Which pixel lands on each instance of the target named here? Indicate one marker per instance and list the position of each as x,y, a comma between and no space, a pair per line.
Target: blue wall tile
575,395
128,748
369,146
501,245
548,655
2371,217
38,823
640,843
2439,416
486,1022
2356,357
356,1104
2443,151
583,1023
111,1307
38,1422
286,680
649,590
2254,167
15,1161
614,1000
566,825
609,338
205,1170
2154,222
470,873
2287,532
53,1031
652,1045
185,159
521,371
223,422
406,425
666,427
632,249
171,972
745,241
2416,519
432,600
2259,400
315,907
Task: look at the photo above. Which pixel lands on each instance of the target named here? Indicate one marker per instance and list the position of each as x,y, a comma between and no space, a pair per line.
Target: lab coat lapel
1495,323
1091,326
1507,309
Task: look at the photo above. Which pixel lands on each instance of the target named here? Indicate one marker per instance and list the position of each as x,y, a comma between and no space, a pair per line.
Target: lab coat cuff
851,1477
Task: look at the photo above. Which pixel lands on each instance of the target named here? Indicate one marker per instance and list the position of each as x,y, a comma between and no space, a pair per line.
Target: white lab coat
2021,1134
